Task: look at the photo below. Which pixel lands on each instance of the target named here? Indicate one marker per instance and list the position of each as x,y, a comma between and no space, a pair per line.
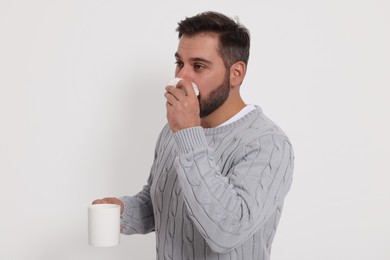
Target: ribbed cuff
190,139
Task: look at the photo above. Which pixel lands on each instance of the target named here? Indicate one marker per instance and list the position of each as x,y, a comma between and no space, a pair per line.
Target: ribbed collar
248,117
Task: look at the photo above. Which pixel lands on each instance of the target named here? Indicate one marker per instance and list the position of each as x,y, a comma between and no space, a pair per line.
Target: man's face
198,60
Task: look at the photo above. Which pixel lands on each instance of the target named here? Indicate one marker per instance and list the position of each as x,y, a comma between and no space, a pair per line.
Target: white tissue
174,81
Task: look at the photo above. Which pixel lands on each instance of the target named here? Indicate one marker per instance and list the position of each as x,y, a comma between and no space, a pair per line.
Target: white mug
103,225
174,81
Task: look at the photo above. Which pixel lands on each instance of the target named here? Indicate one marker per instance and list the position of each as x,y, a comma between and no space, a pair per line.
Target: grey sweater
215,193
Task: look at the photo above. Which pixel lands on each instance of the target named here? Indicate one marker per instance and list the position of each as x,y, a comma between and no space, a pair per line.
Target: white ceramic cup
174,81
104,225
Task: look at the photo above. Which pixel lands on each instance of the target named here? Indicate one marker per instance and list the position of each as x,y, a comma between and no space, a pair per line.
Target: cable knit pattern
215,193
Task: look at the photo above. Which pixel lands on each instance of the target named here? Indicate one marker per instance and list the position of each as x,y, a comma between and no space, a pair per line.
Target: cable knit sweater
215,193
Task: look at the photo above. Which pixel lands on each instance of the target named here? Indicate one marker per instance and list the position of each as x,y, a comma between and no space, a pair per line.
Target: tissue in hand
174,81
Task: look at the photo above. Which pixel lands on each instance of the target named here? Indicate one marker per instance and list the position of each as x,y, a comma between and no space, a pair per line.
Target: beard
216,98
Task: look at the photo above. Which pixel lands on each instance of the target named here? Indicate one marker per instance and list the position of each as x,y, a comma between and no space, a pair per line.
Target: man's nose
184,73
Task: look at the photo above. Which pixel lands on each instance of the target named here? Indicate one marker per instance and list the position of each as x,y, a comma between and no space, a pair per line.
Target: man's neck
223,113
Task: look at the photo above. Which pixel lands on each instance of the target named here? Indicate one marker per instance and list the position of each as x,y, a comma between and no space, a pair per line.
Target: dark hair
234,38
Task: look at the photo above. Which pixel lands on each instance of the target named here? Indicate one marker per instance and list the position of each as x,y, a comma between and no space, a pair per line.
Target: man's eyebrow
177,55
201,60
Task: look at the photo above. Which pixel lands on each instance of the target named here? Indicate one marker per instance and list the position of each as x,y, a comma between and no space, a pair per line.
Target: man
221,168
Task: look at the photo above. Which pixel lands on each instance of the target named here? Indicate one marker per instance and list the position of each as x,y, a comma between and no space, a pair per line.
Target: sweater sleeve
137,217
229,209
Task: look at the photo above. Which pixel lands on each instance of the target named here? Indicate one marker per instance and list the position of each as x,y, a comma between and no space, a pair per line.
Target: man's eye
179,64
199,66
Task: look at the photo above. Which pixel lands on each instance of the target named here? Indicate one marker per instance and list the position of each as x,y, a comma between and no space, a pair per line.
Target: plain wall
81,107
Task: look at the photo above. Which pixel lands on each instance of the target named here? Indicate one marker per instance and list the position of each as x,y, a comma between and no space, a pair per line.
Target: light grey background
81,106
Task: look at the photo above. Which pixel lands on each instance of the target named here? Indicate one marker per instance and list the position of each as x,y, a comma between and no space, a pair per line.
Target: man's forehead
204,46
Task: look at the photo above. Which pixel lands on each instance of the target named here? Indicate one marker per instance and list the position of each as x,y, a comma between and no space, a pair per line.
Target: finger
98,201
187,87
176,92
111,200
171,99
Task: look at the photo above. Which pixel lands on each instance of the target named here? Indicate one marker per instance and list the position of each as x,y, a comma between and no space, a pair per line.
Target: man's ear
237,73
